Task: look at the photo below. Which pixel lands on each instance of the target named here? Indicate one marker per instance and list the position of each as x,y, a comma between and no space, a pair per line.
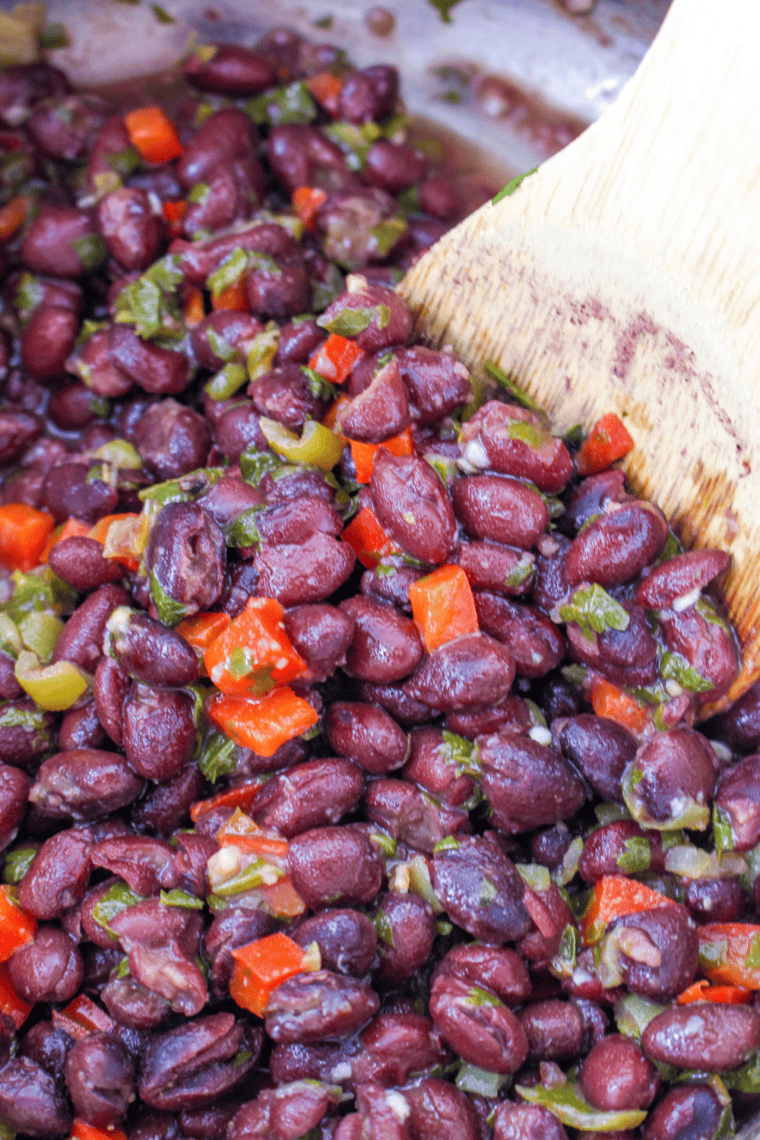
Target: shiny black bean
439,1110
430,766
232,928
18,430
738,802
200,258
500,509
224,331
386,646
321,635
468,673
739,726
30,1101
131,230
26,733
391,321
73,406
84,783
412,506
620,848
369,94
490,566
231,70
309,795
554,1029
145,864
229,498
172,440
346,938
703,1036
47,340
617,1076
549,847
293,1109
481,890
394,700
159,731
278,292
162,943
296,520
393,1046
25,85
167,805
550,914
660,959
707,643
57,879
299,340
225,135
132,1005
66,127
307,572
67,493
686,1112
80,562
110,688
297,1062
366,734
81,641
100,1077
150,652
236,428
93,363
406,930
335,866
477,1026
526,1122
381,410
411,816
60,241
194,1064
715,900
47,1047
517,442
497,968
535,642
600,749
390,583
162,371
14,788
677,774
679,576
436,381
187,557
550,582
47,969
319,1006
615,547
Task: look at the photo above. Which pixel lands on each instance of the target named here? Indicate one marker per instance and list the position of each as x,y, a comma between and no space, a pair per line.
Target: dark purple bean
237,428
412,506
47,1047
481,890
366,734
510,715
391,322
549,847
705,1036
299,340
194,1064
229,498
739,726
490,566
226,331
68,494
14,788
310,1062
232,928
386,646
162,371
395,701
738,802
47,341
27,733
308,572
47,969
60,241
615,547
100,1077
438,197
159,730
30,1101
145,864
81,641
527,1122
66,128
293,1109
390,583
162,943
517,442
57,879
278,292
436,381
406,929
534,641
131,230
550,914
381,410
395,1045
620,848
346,938
554,1029
468,673
715,900
369,94
498,968
439,1110
477,1026
686,1112
228,196
627,657
431,766
224,136
167,805
197,259
25,85
130,1004
321,635
411,816
231,70
393,166
84,783
109,693
309,795
80,562
680,576
296,520
550,583
677,776
500,509
659,958
150,652
93,364
187,557
18,431
319,1006
600,749
73,406
172,440
707,643
298,152
335,866
617,1076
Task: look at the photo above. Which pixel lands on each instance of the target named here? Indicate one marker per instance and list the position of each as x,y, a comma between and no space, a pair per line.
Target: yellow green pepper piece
52,687
317,446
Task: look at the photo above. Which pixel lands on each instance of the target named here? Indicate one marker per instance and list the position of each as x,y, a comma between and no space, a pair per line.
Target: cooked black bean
295,521
186,558
162,944
93,363
84,783
393,1046
30,1101
81,641
80,562
527,1122
18,431
704,1036
14,788
309,795
715,900
62,241
149,652
386,645
47,340
616,1075
47,969
551,915
100,1077
439,1109
366,734
497,968
554,1029
130,228
159,730
381,410
346,938
739,726
411,816
477,1026
692,1110
143,863
431,767
110,688
659,955
162,371
526,783
26,733
470,672
677,777
311,571
195,1063
230,70
335,866
534,641
617,546
413,506
172,440
47,1047
319,1006
701,636
481,889
406,929
600,749
619,848
321,635
57,878
68,492
132,1005
517,442
500,509
491,566
167,805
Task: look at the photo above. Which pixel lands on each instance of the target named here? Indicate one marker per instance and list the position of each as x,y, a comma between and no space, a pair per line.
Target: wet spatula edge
624,275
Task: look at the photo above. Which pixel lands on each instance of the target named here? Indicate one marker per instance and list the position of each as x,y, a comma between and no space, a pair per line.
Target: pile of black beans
450,816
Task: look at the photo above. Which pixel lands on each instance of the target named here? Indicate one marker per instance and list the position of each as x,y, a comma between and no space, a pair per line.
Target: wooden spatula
624,275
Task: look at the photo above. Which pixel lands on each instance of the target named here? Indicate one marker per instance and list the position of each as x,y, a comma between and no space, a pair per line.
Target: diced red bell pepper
335,358
367,538
253,654
263,725
82,1017
729,953
17,929
152,134
24,534
260,967
443,606
326,89
242,796
614,897
307,201
607,441
725,995
10,1003
201,630
364,453
616,704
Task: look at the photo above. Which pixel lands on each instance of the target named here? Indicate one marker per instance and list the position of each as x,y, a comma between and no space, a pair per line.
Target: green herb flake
181,898
384,927
482,1082
255,464
511,186
512,389
170,611
218,756
675,667
243,530
320,388
229,272
636,857
447,844
478,996
17,863
324,22
91,250
571,1108
488,892
350,322
752,961
162,15
199,193
116,899
593,610
525,433
386,234
292,103
443,8
461,753
387,845
150,302
723,833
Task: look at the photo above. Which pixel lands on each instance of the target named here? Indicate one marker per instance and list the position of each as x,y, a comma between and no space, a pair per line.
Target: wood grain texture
625,276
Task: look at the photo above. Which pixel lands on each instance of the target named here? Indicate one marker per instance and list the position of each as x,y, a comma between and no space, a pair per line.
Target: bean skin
100,1077
50,242
430,766
381,410
498,968
679,576
605,850
84,783
617,1076
57,879
295,521
618,545
187,554
439,1110
534,641
68,494
477,1026
382,331
738,799
393,1046
499,509
554,1029
47,1047
411,816
47,340
673,934
678,770
308,795
481,890
319,1006
412,506
527,1122
346,938
407,931
526,783
367,735
26,733
149,652
172,440
18,431
79,561
537,456
468,673
491,566
309,572
48,969
335,866
386,646
159,729
30,1101
166,806
703,1036
14,788
600,749
691,1110
110,689
707,643
81,641
232,70
321,635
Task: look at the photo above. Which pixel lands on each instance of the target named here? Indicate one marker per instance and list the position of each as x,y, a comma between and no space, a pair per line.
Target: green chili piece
317,445
116,899
52,687
572,1109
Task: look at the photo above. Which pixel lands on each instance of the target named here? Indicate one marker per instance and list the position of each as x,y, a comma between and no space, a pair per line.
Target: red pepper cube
17,929
253,654
443,606
263,725
261,967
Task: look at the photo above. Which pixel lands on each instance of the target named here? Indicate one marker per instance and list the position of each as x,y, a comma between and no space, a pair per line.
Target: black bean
162,943
80,562
517,442
527,1122
84,783
231,70
47,340
131,1005
472,671
335,866
491,566
617,546
47,969
149,652
59,242
659,959
93,363
57,879
30,1102
187,556
346,938
172,440
226,331
296,520
14,788
47,1047
430,766
707,643
167,805
18,430
145,864
159,730
411,816
110,688
406,929
381,410
477,1026
677,775
705,1036
497,968
131,230
438,1109
619,848
715,900
278,292
393,1046
321,635
386,646
311,571
534,641
162,371
319,1006
412,506
100,1077
366,734
308,795
68,493
232,928
554,1029
617,1076
81,641
391,320
692,1110
600,749
500,509
481,890
369,94
739,726
26,733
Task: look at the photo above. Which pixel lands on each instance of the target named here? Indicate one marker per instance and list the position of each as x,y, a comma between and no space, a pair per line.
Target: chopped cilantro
511,186
593,610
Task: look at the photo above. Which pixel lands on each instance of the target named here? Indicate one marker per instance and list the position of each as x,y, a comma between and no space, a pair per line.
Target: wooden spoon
624,275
